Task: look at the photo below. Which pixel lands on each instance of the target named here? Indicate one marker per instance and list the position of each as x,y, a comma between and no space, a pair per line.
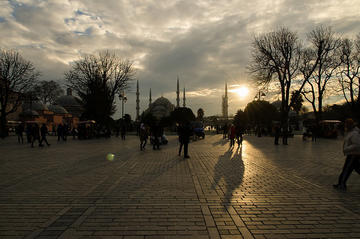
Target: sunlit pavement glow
110,189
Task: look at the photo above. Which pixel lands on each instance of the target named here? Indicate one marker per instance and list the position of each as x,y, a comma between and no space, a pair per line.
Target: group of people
156,134
233,133
33,133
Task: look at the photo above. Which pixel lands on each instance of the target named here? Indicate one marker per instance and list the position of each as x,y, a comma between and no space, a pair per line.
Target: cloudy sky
204,42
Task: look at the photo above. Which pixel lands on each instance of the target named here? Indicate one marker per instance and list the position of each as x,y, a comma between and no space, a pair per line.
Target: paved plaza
70,190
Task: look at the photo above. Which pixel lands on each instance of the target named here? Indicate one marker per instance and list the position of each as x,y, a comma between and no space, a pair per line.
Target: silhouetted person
19,132
232,133
276,135
285,136
239,135
225,131
185,131
156,134
60,132
29,133
44,132
314,132
35,135
123,131
143,135
351,150
74,132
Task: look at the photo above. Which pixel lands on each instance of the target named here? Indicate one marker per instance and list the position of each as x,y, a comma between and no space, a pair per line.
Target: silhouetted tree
260,112
276,57
240,120
48,91
350,73
296,101
182,114
324,48
17,76
97,80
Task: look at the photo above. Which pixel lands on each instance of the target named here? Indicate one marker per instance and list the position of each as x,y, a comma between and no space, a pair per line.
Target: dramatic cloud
204,42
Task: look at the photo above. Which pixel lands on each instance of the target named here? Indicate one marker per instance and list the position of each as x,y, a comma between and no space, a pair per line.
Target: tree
97,80
324,52
296,101
182,115
48,91
350,73
17,76
240,120
275,57
200,114
260,113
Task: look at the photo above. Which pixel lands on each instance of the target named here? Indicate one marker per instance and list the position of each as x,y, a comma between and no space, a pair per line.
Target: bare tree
97,80
17,76
350,71
48,91
276,57
319,67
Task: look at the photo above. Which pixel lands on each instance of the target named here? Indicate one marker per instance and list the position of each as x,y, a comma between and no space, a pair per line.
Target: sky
205,43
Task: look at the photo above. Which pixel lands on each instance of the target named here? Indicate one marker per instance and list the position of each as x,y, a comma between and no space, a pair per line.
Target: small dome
68,100
57,109
28,112
37,106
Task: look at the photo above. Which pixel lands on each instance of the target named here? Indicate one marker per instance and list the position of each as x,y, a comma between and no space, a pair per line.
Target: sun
242,91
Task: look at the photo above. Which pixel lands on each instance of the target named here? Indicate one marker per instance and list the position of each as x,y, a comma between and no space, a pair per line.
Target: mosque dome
160,108
57,109
29,113
37,106
70,103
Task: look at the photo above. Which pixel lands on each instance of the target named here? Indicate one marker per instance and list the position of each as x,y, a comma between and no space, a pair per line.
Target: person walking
44,132
35,135
60,132
239,135
232,132
19,132
156,136
143,134
351,149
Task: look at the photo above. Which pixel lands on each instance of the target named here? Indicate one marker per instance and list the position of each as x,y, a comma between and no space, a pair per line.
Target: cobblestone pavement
259,190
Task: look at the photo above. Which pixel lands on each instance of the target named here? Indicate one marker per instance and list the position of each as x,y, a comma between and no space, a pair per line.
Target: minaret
177,94
150,98
137,100
184,99
225,103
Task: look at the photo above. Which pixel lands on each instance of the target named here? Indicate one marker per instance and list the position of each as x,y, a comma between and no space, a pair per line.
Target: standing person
29,133
225,131
123,131
276,134
185,131
156,135
232,132
35,135
60,132
19,132
285,136
44,132
143,134
351,149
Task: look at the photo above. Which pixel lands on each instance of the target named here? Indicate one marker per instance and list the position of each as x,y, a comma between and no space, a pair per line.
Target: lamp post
259,94
123,99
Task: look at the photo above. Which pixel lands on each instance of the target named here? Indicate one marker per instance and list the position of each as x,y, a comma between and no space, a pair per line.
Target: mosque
162,107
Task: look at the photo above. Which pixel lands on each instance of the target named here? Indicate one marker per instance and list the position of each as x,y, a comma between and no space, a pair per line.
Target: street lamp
259,94
123,99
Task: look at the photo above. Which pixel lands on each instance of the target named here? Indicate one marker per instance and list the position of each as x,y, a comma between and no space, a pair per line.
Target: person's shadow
230,168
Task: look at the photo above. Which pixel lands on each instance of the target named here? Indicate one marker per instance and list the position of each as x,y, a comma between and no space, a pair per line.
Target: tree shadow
230,168
221,142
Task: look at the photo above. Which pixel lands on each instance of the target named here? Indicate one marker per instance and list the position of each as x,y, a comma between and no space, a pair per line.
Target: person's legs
186,145
346,172
181,145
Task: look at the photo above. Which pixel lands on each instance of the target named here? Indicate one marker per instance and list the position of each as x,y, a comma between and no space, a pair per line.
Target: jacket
352,142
